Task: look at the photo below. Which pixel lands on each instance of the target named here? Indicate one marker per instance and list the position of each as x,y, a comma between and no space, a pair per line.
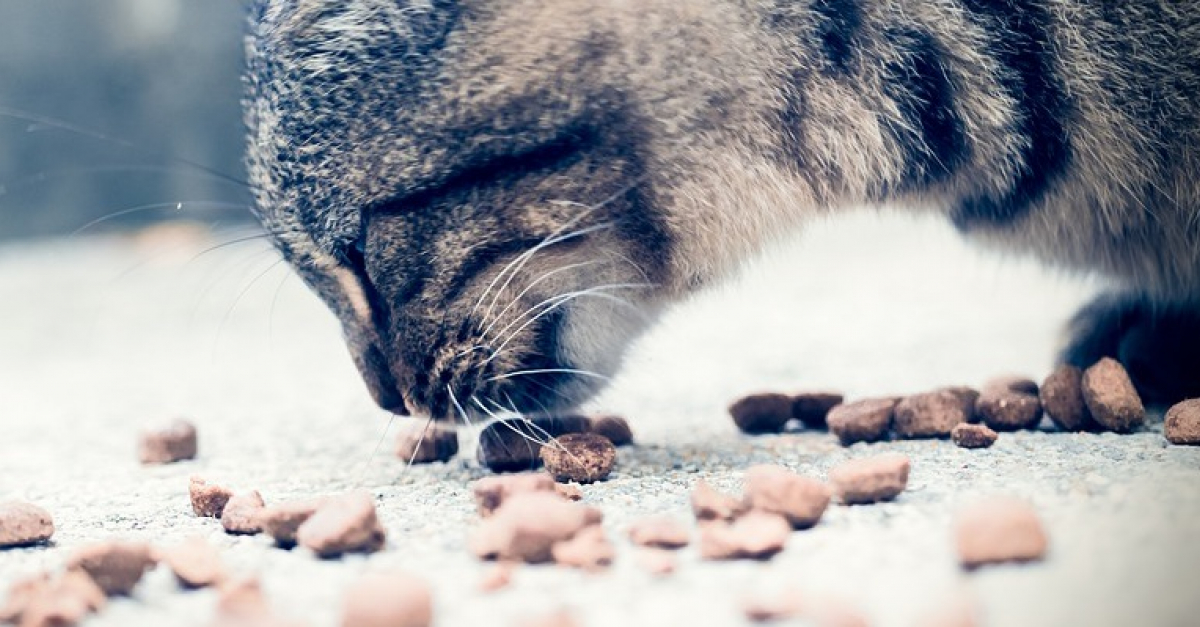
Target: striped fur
406,152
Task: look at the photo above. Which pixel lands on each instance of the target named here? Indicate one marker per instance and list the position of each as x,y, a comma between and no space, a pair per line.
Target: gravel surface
102,336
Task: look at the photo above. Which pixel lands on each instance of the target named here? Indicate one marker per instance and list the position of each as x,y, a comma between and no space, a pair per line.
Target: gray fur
406,151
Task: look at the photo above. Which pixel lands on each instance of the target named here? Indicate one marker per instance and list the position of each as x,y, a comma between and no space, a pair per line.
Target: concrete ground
99,336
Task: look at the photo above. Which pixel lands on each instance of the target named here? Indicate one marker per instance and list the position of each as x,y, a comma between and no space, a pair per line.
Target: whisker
462,412
517,298
508,425
550,439
521,373
420,440
179,206
362,474
238,299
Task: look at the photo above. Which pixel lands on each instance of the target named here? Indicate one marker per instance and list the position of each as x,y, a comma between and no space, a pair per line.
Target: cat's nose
373,366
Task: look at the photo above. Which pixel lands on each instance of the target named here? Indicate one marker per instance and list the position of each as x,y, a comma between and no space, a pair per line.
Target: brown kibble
241,598
569,491
811,408
388,600
1000,529
20,594
1005,410
516,444
657,562
1062,399
870,479
1182,422
1111,397
973,436
967,396
589,549
499,576
22,524
175,442
425,442
613,427
777,490
660,532
208,500
282,520
762,413
240,515
65,600
867,420
1012,383
929,415
579,457
528,524
195,562
115,566
491,492
756,535
343,524
709,504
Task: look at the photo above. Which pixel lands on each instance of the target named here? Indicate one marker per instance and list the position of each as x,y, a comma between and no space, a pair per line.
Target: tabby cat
496,196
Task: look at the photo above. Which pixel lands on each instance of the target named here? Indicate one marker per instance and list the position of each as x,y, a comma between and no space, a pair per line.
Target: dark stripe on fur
479,260
839,21
1022,46
931,133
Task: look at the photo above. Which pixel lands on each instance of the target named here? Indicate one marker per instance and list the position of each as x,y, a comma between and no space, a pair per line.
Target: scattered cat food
967,396
777,490
767,412
929,415
514,445
755,535
579,457
491,492
1004,409
1182,422
657,562
973,435
1062,399
660,532
195,562
763,609
1111,398
1012,383
497,577
588,550
388,600
1000,529
709,504
867,420
173,443
242,598
115,566
425,442
528,524
240,514
812,408
282,520
22,524
343,524
208,500
42,601
613,427
870,479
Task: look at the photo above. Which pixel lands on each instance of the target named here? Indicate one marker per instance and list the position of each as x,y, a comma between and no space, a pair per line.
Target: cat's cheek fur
595,336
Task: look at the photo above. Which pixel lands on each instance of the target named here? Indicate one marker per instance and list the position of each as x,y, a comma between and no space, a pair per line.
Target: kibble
973,436
208,500
1182,423
425,442
755,535
22,524
491,492
115,566
580,457
515,445
660,532
709,504
528,524
195,562
281,521
929,415
1000,529
388,600
1111,398
175,442
613,427
58,602
588,550
870,479
343,524
812,408
1003,409
762,413
867,420
240,514
777,490
1062,399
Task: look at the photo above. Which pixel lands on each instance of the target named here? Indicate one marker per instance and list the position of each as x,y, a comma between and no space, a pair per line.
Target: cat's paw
1158,344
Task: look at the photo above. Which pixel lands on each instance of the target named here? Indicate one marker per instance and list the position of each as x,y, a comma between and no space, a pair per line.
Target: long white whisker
517,298
462,412
362,474
420,440
520,373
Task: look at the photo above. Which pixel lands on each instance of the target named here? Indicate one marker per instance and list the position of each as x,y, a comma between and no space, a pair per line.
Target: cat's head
462,186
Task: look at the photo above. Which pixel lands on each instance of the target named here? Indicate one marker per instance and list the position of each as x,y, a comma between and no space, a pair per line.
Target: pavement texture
101,336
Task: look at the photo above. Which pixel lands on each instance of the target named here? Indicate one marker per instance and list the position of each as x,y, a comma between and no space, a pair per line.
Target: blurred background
103,104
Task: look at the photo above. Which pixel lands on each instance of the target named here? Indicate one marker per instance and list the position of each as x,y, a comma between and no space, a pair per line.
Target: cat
496,197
